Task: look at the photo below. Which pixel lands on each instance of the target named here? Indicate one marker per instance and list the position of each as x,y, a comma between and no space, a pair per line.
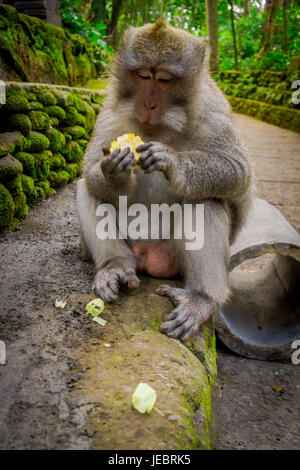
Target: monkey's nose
150,105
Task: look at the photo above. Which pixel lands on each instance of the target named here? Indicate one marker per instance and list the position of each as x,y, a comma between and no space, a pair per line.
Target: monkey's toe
106,287
185,320
130,279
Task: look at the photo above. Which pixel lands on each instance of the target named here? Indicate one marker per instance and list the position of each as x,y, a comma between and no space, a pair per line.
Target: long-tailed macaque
160,89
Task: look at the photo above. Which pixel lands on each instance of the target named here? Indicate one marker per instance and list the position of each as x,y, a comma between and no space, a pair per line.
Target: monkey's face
154,95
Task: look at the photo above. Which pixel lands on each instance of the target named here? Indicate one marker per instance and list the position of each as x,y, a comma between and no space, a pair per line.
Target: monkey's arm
221,172
218,169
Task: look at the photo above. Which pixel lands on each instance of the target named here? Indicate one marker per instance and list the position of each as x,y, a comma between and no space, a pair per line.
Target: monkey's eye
144,75
163,76
165,79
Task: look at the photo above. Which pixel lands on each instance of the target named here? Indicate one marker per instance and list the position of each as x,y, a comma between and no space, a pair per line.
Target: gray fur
194,156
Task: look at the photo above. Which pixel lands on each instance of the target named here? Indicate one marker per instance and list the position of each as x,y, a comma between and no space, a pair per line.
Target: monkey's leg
205,273
114,261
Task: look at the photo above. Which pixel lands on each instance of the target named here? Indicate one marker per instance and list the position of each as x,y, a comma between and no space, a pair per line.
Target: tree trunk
212,31
247,6
116,7
270,8
284,18
98,12
236,65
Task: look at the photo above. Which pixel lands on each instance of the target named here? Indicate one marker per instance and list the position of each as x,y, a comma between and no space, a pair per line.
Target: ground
40,262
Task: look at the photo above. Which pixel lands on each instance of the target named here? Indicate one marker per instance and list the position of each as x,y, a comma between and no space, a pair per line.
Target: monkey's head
156,72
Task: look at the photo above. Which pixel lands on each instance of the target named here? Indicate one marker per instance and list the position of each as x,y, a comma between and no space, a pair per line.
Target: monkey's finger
143,147
145,155
170,292
155,166
116,159
114,153
126,161
176,322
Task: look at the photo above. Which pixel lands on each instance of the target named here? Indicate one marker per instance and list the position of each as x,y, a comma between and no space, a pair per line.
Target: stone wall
265,95
43,134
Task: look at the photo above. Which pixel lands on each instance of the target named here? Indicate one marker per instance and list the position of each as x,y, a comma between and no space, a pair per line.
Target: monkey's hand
157,156
191,310
118,164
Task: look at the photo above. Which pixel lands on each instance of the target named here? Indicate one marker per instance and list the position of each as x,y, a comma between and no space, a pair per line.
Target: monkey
160,89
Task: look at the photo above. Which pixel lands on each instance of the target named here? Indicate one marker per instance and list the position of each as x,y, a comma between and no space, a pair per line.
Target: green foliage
73,19
100,27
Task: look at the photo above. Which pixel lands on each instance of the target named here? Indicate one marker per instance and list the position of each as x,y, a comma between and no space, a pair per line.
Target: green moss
83,143
15,185
22,210
277,115
10,13
52,178
30,96
54,122
63,178
36,142
27,184
57,161
64,98
52,192
96,108
81,121
36,106
20,122
3,149
46,97
40,120
72,169
97,98
57,139
90,118
20,202
17,104
45,185
28,163
75,131
72,116
72,152
7,208
39,192
13,140
79,104
55,111
42,164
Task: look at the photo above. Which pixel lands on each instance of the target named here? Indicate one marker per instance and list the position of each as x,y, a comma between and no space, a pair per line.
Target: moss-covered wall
265,95
43,134
34,51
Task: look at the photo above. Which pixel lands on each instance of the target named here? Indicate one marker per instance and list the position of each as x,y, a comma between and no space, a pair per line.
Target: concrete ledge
138,352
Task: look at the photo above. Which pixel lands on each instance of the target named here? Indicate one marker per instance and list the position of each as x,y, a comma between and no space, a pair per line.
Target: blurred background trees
243,34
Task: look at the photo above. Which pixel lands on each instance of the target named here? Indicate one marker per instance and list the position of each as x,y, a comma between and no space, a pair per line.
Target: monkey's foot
192,309
108,280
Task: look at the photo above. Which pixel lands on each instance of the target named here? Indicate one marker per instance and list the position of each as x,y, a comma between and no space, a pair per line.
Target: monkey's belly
156,259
